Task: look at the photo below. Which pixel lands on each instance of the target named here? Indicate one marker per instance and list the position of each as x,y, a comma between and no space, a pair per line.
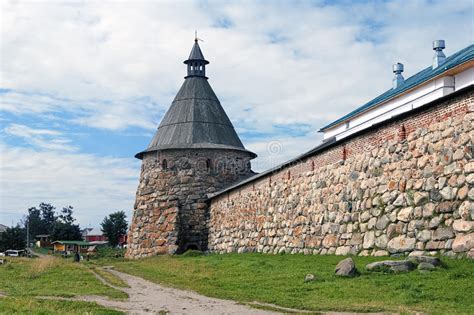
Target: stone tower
194,152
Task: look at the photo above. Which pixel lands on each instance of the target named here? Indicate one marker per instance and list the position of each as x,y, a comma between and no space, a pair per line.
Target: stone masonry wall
406,187
171,213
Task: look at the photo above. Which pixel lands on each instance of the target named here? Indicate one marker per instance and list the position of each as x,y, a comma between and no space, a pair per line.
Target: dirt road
146,297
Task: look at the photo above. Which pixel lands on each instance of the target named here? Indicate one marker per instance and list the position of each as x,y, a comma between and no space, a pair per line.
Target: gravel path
146,297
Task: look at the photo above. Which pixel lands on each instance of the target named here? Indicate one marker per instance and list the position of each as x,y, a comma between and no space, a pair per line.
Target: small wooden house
68,247
43,240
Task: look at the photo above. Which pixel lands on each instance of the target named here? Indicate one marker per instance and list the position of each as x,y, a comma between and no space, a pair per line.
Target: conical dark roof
196,119
196,53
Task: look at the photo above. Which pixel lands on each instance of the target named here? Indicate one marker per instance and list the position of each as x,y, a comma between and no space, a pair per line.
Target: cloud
275,152
94,185
44,139
290,63
97,113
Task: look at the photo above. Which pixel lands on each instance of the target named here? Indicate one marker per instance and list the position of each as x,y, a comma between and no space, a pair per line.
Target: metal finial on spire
196,38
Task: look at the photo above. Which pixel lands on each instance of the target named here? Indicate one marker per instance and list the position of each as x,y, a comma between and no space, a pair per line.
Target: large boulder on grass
309,277
435,261
391,266
346,268
424,266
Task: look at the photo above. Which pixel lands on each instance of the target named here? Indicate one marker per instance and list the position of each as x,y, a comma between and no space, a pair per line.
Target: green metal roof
452,61
81,243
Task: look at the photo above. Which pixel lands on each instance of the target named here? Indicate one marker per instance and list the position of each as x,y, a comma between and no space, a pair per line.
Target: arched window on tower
164,164
208,165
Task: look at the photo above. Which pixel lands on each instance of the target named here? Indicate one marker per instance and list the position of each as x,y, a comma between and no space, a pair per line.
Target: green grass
43,250
51,277
22,279
109,277
23,305
278,279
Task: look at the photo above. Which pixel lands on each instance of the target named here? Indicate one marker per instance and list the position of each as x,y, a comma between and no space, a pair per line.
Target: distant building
43,240
68,247
96,236
93,235
3,228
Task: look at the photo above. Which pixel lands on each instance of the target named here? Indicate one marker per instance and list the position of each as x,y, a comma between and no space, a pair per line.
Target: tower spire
196,62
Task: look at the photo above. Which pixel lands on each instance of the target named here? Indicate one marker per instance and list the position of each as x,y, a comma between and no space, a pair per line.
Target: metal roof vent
398,78
439,57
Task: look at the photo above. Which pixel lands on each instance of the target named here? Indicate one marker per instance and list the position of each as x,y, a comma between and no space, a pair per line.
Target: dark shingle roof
452,61
196,119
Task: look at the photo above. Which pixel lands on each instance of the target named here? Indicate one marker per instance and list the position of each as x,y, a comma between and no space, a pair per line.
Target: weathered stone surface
420,198
178,190
391,265
379,253
343,250
346,268
381,241
382,222
400,201
462,193
330,241
425,259
463,226
470,194
466,210
417,193
463,243
369,240
434,223
405,214
426,266
447,193
469,168
443,233
401,244
309,277
424,235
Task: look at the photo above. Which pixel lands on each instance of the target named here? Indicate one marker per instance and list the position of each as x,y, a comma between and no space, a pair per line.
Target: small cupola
196,62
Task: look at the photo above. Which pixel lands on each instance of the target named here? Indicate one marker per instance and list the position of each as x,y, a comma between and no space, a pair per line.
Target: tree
64,228
13,238
41,220
48,217
115,226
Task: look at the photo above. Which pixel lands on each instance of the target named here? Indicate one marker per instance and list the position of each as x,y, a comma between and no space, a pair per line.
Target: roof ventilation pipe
439,57
398,78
